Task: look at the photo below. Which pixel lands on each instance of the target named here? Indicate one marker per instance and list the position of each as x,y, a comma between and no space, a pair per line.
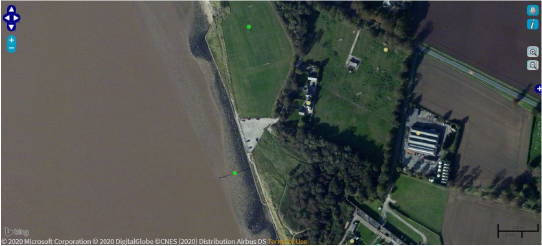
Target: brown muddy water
111,128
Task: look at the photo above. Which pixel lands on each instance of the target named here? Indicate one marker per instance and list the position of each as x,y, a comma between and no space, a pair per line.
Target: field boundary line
355,104
292,63
489,81
533,125
471,66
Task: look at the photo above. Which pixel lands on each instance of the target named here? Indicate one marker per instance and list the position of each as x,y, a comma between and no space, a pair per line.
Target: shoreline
248,130
254,217
260,189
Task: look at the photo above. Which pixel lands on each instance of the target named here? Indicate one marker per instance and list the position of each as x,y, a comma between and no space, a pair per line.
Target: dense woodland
319,188
398,24
334,173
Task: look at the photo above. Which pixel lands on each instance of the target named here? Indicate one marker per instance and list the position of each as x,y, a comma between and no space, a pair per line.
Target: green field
432,237
357,108
421,201
274,162
365,234
399,228
534,149
371,208
259,58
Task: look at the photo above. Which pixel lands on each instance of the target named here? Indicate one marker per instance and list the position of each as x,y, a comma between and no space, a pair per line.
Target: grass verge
365,234
274,162
401,230
421,201
534,160
521,103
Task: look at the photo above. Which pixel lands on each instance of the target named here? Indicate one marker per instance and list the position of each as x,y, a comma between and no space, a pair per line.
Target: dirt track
491,36
471,220
496,136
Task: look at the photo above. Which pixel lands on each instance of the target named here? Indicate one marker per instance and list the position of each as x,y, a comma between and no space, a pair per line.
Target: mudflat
496,133
99,138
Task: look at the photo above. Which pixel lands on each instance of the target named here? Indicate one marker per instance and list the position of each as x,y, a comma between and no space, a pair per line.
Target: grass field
534,148
274,163
399,229
356,109
259,58
365,234
432,237
421,201
371,208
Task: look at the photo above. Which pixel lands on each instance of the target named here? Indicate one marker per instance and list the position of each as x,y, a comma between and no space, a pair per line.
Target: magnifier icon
532,65
532,51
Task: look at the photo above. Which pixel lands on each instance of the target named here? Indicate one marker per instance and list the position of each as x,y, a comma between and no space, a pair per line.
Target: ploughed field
491,36
496,133
471,220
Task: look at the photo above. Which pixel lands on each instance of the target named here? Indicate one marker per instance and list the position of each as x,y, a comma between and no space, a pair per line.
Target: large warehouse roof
423,141
432,140
419,132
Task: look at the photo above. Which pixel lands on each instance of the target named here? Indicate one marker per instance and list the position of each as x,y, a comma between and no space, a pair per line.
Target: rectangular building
423,141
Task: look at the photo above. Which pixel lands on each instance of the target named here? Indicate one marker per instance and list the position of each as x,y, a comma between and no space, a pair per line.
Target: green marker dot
234,173
249,26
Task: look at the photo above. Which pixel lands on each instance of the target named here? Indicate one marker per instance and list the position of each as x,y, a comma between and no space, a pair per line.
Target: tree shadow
535,162
418,99
457,172
447,114
425,31
368,148
465,120
312,36
523,179
498,177
523,94
469,178
502,186
419,10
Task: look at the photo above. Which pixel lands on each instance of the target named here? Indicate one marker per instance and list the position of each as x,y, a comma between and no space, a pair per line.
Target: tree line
398,24
319,187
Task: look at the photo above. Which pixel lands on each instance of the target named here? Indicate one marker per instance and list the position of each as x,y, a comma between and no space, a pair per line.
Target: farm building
310,93
423,141
352,63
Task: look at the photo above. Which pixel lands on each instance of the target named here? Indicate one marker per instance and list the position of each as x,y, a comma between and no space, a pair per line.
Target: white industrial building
423,141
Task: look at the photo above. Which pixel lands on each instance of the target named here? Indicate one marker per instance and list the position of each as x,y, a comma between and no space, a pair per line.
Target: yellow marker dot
308,102
385,49
351,240
418,133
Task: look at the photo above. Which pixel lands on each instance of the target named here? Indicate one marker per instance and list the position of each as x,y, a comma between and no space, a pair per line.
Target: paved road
386,210
476,75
